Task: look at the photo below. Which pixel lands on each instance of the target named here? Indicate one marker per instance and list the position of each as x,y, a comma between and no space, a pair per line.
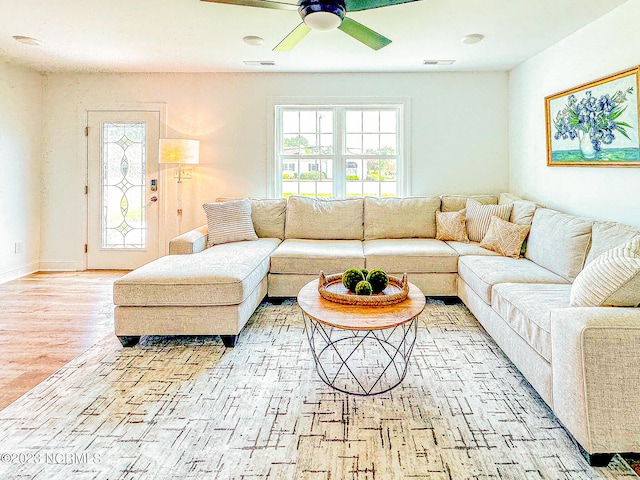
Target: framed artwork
595,124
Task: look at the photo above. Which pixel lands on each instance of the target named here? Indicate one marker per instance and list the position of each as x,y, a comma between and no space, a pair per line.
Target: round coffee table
360,350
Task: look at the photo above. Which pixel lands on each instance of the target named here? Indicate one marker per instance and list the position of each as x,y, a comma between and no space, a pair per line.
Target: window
339,151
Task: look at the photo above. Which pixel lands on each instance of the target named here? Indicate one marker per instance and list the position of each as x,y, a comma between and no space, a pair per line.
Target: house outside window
339,151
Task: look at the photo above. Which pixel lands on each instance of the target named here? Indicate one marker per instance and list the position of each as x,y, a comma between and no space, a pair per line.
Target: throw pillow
612,279
229,222
504,237
452,226
479,217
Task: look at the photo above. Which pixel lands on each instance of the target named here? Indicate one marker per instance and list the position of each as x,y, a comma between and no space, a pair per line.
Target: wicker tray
332,289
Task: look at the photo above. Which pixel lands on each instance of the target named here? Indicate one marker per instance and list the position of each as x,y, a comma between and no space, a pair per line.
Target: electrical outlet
19,247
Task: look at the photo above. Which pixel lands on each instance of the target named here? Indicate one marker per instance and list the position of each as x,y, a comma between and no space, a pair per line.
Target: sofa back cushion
559,242
523,210
411,217
317,219
453,203
608,235
268,217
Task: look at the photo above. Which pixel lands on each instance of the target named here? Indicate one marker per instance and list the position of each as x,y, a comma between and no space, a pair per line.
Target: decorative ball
351,277
378,280
365,272
363,288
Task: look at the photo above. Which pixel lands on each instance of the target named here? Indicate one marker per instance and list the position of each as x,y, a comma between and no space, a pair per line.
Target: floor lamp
179,151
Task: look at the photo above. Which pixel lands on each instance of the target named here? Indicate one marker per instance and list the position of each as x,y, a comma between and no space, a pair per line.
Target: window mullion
339,169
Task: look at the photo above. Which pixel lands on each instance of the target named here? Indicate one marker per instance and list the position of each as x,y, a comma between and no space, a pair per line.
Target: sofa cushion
526,308
471,248
221,275
452,226
268,217
312,218
505,237
229,222
608,235
479,217
410,255
453,203
611,280
559,242
481,273
301,256
411,217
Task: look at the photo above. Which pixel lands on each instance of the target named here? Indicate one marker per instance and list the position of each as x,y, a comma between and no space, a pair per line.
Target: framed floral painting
595,124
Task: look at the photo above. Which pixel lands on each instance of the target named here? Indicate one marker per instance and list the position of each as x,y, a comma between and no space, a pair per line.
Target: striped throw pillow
229,222
479,217
612,279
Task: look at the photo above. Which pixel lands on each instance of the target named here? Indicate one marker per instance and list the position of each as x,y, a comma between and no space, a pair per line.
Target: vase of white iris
592,121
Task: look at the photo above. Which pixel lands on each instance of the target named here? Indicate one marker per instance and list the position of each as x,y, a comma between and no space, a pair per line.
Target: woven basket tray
332,289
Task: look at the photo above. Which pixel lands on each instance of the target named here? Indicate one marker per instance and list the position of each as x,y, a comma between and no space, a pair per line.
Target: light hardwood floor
48,319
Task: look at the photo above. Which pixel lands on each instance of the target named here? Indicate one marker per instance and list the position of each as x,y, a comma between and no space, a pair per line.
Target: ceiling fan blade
258,3
358,5
363,34
292,39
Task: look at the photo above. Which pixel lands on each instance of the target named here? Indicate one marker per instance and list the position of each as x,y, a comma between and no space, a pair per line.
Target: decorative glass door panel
123,166
123,198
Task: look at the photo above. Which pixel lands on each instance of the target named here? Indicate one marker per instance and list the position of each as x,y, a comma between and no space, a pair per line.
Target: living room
469,132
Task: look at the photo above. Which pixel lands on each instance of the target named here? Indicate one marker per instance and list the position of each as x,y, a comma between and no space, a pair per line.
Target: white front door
123,200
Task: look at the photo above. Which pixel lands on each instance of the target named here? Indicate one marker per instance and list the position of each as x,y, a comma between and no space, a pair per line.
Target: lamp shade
179,150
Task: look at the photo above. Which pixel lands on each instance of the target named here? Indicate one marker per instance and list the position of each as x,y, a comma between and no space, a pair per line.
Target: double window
339,151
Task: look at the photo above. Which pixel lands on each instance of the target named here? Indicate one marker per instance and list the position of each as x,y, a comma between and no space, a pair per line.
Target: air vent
438,62
259,63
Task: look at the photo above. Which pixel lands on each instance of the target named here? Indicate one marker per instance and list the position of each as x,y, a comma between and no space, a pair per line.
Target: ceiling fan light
322,20
322,14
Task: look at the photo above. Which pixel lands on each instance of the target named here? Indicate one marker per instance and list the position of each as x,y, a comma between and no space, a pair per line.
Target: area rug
187,408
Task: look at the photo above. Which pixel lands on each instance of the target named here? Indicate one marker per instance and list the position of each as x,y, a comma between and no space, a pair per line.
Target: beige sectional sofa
583,361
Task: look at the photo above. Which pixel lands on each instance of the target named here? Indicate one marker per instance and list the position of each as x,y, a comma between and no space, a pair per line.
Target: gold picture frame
595,124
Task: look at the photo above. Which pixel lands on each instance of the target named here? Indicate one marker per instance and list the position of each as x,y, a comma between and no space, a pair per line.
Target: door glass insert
123,167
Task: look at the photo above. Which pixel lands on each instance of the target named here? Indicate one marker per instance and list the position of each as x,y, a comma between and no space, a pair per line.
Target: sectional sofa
554,312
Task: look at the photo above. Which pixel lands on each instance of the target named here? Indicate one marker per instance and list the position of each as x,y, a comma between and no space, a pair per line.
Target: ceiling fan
325,15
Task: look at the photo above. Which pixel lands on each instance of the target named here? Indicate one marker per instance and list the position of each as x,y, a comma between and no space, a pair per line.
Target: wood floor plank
47,320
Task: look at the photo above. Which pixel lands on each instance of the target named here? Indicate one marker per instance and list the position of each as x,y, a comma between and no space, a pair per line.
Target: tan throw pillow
504,237
452,226
612,279
229,222
479,217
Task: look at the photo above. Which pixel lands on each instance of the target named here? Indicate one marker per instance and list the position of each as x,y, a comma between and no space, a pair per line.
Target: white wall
20,133
608,45
458,135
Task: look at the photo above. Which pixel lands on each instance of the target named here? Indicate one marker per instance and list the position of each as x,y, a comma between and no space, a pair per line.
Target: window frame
339,156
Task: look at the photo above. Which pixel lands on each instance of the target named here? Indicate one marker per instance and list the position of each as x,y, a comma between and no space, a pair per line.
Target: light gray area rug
187,408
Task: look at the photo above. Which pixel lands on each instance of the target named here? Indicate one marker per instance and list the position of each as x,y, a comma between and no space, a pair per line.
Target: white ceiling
195,36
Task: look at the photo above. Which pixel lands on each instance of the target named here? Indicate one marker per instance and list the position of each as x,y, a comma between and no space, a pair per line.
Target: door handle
154,199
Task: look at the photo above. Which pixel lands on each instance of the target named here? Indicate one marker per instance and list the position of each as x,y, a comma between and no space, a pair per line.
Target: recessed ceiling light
438,62
253,40
471,39
26,40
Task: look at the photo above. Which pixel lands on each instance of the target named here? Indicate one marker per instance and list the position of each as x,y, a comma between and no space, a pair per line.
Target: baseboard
60,266
19,271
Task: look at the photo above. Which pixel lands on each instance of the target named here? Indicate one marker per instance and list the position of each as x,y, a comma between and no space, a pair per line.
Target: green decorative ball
378,280
363,288
365,272
351,277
